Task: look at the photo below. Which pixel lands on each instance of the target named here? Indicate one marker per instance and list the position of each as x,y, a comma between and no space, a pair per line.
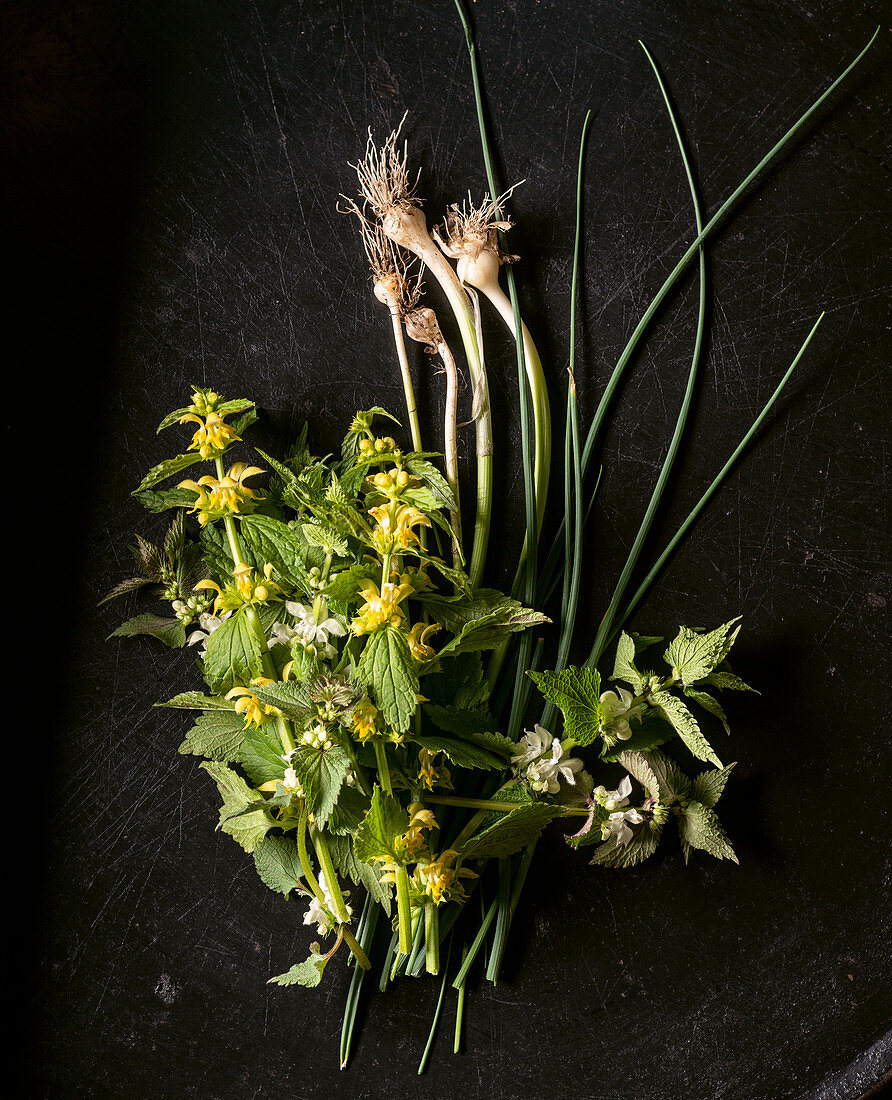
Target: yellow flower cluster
364,716
247,704
227,495
439,879
394,523
381,605
213,435
430,776
244,589
418,636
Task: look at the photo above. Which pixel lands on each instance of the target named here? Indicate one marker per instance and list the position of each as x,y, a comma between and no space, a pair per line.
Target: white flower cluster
617,824
318,736
312,633
323,916
543,761
617,711
207,624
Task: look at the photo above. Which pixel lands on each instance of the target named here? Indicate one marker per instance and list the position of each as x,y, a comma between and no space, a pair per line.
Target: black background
172,172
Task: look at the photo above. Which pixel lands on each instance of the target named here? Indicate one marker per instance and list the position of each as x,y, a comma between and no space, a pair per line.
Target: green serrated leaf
291,697
709,704
161,500
260,754
167,468
278,864
481,622
577,692
195,700
169,631
699,827
387,666
435,481
385,821
325,536
642,845
308,973
648,734
673,783
471,753
172,418
638,766
321,773
233,656
216,735
685,725
362,874
707,787
513,831
266,539
624,667
693,656
723,679
248,829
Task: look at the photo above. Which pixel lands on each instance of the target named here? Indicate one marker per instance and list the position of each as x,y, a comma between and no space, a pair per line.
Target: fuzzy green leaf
321,773
248,829
388,667
709,704
167,468
707,787
260,754
513,831
162,500
685,725
278,864
234,656
385,821
475,751
693,656
648,734
642,845
289,696
722,679
624,667
195,700
435,481
270,540
216,736
699,827
576,691
308,973
362,874
673,783
169,631
638,766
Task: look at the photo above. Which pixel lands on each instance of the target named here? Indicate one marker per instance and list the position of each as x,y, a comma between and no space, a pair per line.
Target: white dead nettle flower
207,624
291,783
317,736
323,916
544,772
617,825
313,633
617,712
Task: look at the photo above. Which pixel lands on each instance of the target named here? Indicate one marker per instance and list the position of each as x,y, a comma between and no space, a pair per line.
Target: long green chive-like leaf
462,974
717,481
601,412
430,1038
606,624
460,1010
573,518
365,934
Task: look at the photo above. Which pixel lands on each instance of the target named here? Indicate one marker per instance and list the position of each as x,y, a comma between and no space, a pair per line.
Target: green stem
431,936
404,910
359,954
383,766
408,389
330,875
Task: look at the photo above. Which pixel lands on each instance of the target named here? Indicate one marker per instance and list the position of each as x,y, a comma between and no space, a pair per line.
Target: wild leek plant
387,738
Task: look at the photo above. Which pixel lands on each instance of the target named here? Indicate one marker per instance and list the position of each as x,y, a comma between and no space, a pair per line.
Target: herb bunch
368,712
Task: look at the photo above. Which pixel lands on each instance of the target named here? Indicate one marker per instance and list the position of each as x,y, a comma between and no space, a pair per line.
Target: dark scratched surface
174,171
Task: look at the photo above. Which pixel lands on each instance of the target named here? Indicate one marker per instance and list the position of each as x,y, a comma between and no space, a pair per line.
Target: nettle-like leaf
321,773
723,679
387,666
165,469
710,704
672,782
693,656
308,973
216,735
196,700
162,500
477,750
434,480
260,754
515,830
639,767
642,845
169,631
707,787
344,586
685,725
624,666
577,692
459,682
362,874
245,825
278,864
699,827
234,655
386,820
349,810
266,539
481,621
291,697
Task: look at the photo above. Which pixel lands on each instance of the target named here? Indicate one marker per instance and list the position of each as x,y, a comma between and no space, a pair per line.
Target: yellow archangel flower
439,880
413,839
247,704
394,526
244,589
213,435
381,606
430,776
227,495
418,636
364,716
